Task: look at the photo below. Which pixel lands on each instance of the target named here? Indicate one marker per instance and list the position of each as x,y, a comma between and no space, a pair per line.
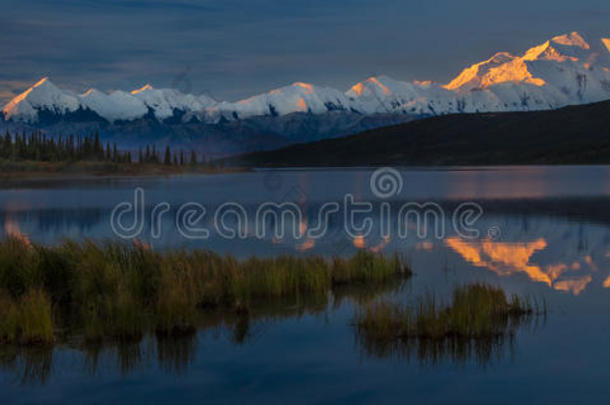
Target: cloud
234,48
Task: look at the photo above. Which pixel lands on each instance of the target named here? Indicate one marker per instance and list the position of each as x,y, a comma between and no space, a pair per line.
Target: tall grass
116,291
479,318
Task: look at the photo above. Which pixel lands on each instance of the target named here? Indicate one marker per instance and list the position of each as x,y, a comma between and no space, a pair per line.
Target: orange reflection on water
575,286
510,258
425,245
379,247
141,244
589,261
359,242
502,258
11,228
305,246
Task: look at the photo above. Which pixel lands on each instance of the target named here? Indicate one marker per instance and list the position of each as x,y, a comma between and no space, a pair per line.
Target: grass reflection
478,324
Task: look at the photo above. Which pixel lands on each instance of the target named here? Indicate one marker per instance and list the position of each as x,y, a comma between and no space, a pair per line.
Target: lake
543,232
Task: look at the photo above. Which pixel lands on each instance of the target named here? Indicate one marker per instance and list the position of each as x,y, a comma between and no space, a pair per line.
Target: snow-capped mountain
298,97
564,70
118,105
44,95
163,102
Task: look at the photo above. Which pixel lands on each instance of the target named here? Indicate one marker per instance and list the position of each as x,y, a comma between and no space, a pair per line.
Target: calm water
544,232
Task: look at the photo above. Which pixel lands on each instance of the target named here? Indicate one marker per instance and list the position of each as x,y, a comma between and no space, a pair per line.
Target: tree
97,147
7,149
115,153
193,157
168,156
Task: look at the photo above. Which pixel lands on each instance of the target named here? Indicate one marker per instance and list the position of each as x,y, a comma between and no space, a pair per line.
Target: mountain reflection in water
554,244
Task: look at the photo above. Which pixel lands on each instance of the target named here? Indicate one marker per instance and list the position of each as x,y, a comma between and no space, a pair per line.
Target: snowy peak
297,97
114,106
501,68
43,95
566,69
474,75
562,48
573,39
383,94
142,89
564,66
165,102
373,86
117,105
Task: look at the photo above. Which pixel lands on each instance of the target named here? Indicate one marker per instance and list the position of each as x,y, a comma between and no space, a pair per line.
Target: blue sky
236,48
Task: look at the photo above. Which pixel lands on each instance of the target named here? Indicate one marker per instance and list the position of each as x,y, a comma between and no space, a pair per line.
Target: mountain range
565,70
569,135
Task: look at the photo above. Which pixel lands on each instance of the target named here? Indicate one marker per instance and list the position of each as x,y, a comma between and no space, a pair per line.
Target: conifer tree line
150,154
38,146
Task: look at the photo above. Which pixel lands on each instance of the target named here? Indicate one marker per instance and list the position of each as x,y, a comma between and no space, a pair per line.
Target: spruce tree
8,146
97,147
168,156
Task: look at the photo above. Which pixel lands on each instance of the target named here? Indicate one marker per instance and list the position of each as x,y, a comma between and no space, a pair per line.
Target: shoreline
31,170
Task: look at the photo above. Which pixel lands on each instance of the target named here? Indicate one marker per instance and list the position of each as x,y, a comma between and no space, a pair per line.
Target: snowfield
565,70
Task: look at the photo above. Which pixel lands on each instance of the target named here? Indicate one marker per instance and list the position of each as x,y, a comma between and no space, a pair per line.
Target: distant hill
571,135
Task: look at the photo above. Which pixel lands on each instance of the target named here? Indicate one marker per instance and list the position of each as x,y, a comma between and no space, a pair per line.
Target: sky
231,49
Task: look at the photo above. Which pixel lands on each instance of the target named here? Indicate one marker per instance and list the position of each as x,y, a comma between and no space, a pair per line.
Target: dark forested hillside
571,135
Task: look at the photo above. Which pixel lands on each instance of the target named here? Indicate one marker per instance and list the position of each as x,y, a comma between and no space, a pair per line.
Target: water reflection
429,352
510,258
27,366
480,326
555,239
176,353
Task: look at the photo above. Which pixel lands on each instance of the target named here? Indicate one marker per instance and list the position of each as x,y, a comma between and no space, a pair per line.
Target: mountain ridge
570,135
564,70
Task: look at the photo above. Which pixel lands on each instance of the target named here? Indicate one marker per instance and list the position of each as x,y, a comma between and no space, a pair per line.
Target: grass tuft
479,319
119,292
476,311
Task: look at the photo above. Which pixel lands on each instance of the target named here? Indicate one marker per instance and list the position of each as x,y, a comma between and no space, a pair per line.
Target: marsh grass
477,323
121,292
